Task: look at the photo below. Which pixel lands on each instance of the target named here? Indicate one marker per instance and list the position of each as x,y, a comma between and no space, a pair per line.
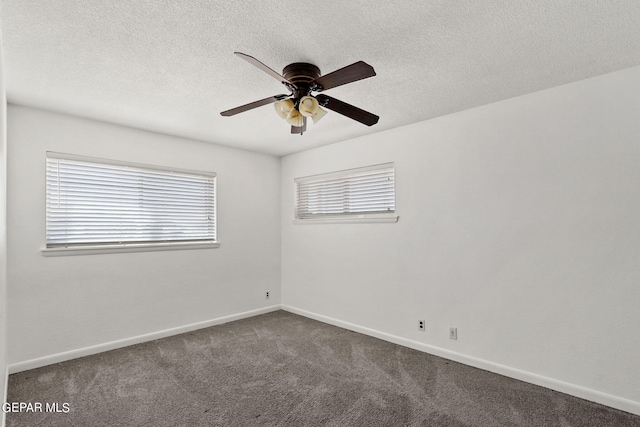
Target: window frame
98,248
346,217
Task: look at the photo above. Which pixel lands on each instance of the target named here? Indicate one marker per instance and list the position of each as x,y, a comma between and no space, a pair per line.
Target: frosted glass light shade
308,106
318,115
283,108
295,118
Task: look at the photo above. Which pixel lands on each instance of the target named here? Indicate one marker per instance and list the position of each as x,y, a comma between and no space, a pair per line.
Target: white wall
62,304
519,225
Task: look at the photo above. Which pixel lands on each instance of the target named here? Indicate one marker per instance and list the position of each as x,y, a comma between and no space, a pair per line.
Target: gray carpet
280,369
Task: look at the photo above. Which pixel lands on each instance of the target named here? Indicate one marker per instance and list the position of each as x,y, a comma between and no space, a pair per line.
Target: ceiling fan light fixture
284,107
320,113
295,118
308,106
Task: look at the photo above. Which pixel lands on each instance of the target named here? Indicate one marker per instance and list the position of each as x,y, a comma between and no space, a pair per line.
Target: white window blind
91,202
354,193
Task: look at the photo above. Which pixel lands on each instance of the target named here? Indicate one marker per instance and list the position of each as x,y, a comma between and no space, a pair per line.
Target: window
94,203
364,194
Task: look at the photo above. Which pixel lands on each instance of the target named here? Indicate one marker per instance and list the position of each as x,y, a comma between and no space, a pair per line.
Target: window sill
114,249
359,219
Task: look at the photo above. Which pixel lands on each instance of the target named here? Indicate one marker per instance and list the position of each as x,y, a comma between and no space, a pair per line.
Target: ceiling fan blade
300,129
351,73
252,105
348,110
255,62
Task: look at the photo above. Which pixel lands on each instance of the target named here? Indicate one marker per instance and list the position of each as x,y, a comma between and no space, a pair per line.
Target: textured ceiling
168,66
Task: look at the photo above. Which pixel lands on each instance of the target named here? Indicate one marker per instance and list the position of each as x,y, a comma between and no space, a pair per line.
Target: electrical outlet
267,295
421,325
453,333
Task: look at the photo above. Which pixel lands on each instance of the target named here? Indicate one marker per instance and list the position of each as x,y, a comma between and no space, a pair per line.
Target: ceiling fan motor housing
301,74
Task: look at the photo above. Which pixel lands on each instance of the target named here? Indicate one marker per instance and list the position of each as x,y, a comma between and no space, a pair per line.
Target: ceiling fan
301,79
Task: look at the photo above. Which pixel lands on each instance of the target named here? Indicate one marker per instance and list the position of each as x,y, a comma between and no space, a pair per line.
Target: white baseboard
87,351
553,384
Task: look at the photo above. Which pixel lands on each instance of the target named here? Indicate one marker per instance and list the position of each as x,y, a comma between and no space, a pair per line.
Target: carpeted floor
280,369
